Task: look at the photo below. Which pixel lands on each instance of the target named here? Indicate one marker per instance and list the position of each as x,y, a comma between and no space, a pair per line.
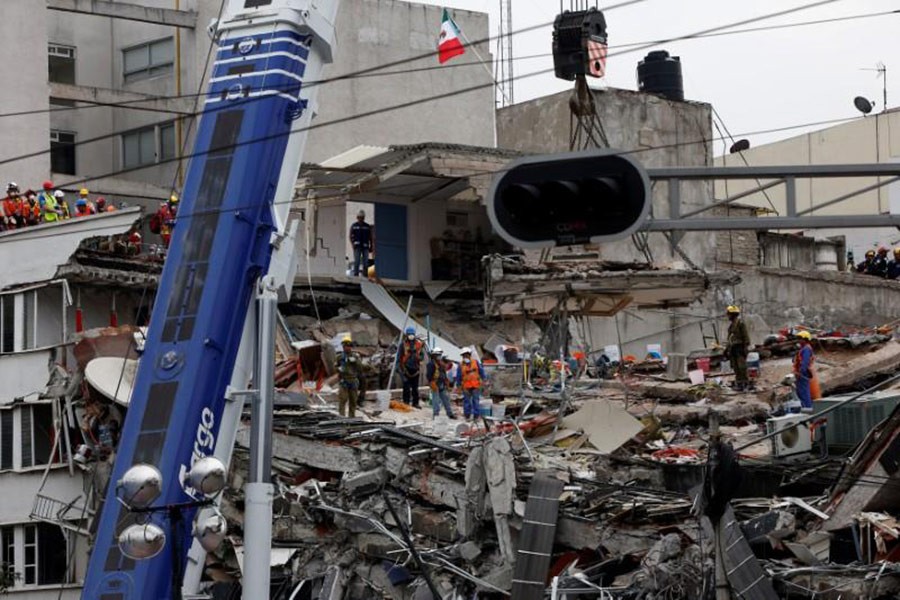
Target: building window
45,554
62,63
62,152
148,60
31,319
148,145
8,548
34,423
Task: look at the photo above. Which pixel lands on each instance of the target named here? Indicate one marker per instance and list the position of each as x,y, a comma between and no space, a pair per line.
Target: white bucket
499,411
383,398
696,377
441,425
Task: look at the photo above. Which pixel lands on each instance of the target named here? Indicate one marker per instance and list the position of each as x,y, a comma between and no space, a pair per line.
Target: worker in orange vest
31,209
470,377
11,209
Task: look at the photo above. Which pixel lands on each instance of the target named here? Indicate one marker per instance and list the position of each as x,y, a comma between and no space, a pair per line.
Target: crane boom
246,158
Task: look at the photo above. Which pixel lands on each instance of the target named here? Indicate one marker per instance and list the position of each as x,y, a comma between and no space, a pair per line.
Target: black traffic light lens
569,201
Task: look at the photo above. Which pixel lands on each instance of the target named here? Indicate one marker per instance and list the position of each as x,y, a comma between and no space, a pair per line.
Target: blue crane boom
245,157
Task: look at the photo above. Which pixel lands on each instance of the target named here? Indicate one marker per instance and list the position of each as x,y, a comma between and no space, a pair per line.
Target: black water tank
660,74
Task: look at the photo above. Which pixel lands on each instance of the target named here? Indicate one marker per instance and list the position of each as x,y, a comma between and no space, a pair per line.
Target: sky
755,81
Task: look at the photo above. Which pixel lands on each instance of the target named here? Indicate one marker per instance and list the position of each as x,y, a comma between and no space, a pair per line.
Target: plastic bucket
703,364
484,409
753,365
499,411
383,399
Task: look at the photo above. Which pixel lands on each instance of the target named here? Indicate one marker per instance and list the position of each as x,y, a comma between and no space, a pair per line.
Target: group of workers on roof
50,205
878,264
441,373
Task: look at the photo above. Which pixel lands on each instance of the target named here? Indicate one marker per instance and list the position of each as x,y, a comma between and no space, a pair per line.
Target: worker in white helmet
439,381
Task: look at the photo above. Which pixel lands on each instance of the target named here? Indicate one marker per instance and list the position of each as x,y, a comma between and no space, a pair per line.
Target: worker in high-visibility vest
52,211
470,377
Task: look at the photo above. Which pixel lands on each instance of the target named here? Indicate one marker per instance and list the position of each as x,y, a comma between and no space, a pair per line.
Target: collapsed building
578,485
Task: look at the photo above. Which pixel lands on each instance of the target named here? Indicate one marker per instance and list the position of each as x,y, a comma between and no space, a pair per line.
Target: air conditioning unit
792,439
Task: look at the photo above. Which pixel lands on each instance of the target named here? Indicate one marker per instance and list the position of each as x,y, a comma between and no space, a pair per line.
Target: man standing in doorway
361,239
737,347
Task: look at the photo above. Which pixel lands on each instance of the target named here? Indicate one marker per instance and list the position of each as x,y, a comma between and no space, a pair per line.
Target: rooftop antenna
881,69
505,52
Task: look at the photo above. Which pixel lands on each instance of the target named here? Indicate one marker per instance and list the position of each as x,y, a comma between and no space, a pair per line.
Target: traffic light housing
579,44
564,199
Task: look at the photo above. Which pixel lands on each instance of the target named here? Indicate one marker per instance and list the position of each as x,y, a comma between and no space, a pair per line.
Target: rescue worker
361,240
101,204
803,371
46,193
50,208
134,242
167,213
410,356
11,209
439,382
470,377
893,267
31,209
349,367
62,204
737,347
81,208
85,201
878,267
863,267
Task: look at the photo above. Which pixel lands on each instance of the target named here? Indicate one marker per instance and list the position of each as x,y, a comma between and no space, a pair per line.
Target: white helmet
59,194
466,350
437,351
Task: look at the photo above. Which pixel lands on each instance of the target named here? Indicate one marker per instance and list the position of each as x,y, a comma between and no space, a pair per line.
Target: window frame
160,153
55,138
22,339
151,69
62,51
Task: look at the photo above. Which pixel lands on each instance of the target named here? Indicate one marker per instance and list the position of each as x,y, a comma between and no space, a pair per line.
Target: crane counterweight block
574,198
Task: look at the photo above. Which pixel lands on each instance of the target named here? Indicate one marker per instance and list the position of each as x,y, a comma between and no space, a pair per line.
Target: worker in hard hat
878,267
62,204
866,263
439,382
83,205
165,219
410,357
737,346
361,240
803,370
348,364
470,377
893,266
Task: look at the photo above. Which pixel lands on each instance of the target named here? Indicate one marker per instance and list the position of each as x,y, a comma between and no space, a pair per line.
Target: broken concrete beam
365,482
290,529
339,458
439,526
885,359
469,551
377,545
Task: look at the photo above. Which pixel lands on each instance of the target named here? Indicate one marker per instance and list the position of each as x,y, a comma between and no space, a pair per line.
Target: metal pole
259,492
399,344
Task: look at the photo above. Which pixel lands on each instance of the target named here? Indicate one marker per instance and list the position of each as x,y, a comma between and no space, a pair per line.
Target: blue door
390,241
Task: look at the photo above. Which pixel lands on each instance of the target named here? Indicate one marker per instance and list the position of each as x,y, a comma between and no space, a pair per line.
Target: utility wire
399,106
127,104
343,194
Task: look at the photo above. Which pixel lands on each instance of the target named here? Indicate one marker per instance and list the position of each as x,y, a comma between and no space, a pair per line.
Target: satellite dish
142,541
862,105
739,146
112,377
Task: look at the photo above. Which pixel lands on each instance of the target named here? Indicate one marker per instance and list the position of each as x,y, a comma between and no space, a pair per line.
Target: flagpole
469,44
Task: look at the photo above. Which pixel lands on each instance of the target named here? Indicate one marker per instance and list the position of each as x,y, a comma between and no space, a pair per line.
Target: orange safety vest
471,378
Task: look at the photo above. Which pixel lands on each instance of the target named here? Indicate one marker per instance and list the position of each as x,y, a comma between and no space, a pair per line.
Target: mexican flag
448,43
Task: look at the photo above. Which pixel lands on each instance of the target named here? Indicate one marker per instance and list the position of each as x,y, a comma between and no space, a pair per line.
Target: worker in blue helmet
409,361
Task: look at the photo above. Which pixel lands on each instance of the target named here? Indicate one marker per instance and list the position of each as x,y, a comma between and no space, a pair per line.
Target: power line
407,104
127,104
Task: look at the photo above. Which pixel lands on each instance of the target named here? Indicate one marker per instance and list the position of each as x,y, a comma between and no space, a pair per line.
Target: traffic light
579,44
564,199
